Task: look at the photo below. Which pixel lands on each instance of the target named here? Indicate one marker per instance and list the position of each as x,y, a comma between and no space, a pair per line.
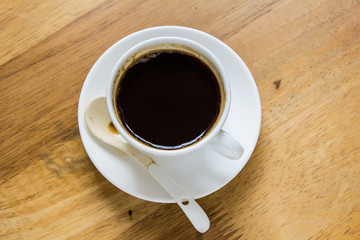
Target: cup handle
227,146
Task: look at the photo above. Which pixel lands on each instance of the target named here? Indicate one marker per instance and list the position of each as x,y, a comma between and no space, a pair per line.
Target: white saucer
201,173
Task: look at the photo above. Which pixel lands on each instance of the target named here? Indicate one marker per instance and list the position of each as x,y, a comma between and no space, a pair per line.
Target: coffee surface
168,99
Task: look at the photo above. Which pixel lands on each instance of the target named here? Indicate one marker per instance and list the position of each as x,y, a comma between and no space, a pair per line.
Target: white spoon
100,125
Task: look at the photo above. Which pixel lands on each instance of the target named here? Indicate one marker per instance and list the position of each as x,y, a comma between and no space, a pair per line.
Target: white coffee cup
219,140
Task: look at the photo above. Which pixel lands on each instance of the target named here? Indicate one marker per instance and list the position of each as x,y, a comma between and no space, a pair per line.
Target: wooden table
302,181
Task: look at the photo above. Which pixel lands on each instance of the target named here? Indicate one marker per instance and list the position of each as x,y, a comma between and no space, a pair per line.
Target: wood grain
302,181
23,26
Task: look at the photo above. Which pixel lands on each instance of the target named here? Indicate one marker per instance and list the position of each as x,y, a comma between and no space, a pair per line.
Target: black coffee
168,99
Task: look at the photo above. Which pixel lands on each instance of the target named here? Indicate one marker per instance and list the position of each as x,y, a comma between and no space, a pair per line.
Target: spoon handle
191,208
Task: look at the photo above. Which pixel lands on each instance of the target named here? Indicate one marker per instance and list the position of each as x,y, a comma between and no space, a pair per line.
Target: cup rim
152,151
